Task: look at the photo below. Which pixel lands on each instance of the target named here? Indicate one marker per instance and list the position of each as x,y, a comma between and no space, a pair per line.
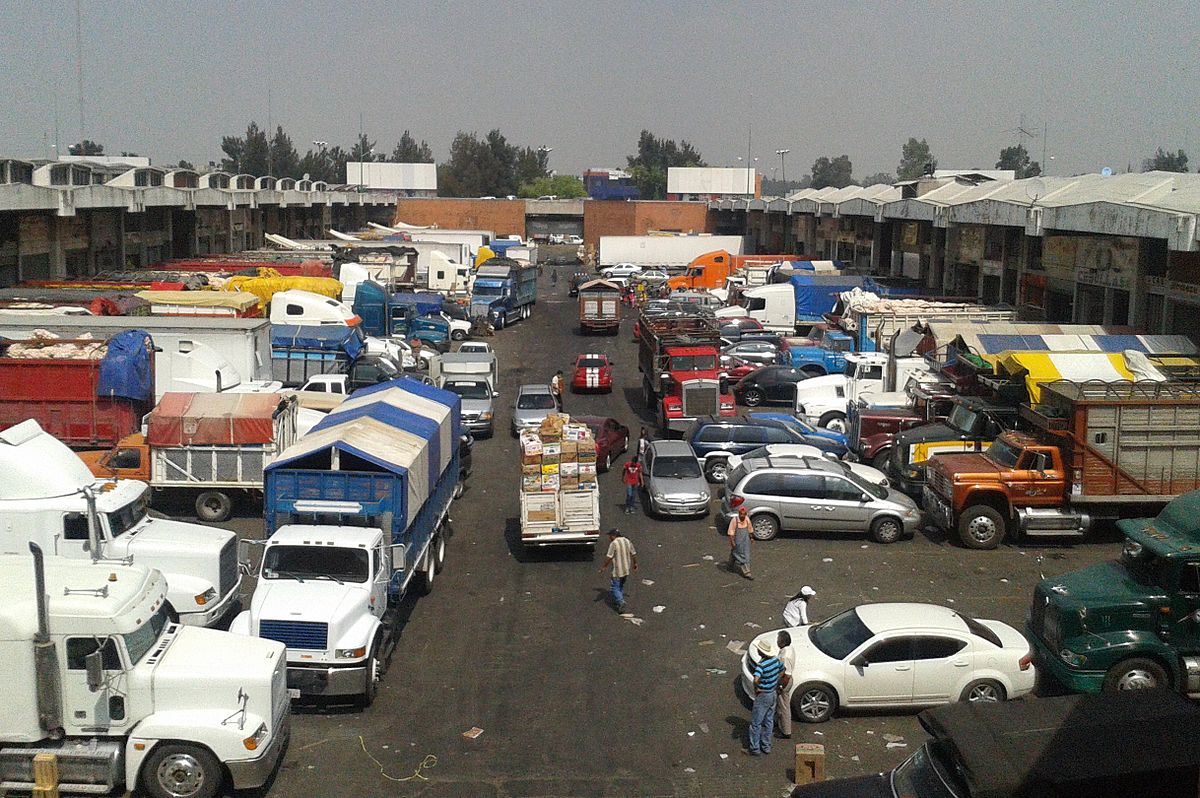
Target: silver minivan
815,496
674,483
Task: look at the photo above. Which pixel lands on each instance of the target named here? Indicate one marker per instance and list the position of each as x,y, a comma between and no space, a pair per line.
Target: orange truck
709,270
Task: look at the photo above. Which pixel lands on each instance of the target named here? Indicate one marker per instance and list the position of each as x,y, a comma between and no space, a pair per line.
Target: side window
75,526
317,387
713,434
79,647
896,650
127,458
748,434
805,486
842,489
778,435
766,484
1189,578
937,647
293,310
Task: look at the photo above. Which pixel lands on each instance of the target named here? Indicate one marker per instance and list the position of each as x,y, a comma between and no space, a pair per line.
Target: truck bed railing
1101,390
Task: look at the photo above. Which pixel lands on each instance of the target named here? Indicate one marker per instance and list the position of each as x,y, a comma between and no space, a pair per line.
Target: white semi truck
105,685
49,497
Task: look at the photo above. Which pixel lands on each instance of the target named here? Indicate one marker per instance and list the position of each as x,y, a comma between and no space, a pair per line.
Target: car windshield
141,640
868,487
470,390
591,362
924,774
675,467
839,635
387,368
979,630
693,363
336,563
962,418
1004,453
839,344
535,401
126,518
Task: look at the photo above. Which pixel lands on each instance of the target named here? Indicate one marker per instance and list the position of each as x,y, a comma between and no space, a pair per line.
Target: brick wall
620,218
503,217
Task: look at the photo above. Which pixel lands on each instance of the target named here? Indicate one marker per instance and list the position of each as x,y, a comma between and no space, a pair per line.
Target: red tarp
213,419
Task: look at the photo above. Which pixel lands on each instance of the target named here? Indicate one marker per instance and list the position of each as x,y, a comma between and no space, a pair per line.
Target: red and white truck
681,374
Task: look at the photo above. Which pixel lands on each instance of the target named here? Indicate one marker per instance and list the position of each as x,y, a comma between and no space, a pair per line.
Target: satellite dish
1106,171
1035,188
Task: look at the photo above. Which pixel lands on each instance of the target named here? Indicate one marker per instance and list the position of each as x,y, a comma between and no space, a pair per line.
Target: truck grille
228,565
296,634
700,399
939,482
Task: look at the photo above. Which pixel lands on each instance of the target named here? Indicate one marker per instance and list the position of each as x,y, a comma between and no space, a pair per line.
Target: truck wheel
1138,673
428,571
752,398
439,561
500,322
374,674
814,702
886,530
181,771
981,527
880,461
834,421
764,527
213,506
716,470
459,335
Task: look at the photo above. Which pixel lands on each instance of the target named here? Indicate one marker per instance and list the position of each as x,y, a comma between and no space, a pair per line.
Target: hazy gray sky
168,79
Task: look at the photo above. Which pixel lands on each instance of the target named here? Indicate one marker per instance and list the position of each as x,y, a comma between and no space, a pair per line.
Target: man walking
631,475
622,556
768,677
783,712
556,388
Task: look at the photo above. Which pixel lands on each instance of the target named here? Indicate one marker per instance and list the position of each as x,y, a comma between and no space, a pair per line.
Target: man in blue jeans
623,558
769,676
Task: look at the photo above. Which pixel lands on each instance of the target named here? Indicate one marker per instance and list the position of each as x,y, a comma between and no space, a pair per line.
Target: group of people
772,676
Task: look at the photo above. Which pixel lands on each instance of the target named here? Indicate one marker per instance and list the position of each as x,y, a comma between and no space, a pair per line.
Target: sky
1108,82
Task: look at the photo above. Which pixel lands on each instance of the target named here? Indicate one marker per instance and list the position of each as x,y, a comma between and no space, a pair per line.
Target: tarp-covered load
126,371
182,303
817,293
423,302
323,337
1039,368
183,419
442,406
266,287
990,338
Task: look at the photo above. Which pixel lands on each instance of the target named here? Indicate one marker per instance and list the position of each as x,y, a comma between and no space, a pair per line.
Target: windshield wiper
328,576
290,575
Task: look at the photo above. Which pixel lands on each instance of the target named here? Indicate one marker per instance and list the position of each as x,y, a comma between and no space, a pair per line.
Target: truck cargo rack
1101,390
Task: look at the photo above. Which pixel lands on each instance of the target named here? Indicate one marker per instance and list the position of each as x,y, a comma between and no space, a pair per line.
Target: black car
769,385
577,279
715,438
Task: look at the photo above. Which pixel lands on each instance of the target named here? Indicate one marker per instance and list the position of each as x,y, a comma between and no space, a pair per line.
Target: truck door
1185,632
85,711
73,541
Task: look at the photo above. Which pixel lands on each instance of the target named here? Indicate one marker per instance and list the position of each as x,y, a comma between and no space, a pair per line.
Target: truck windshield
693,363
139,642
839,635
126,518
316,562
488,290
963,418
1004,453
676,467
925,775
1143,565
470,390
456,312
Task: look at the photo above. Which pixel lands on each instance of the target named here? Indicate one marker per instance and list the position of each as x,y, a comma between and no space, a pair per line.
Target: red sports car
612,439
592,373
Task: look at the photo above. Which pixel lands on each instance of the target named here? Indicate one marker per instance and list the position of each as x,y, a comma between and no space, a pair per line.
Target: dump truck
599,307
503,291
560,497
1100,450
681,376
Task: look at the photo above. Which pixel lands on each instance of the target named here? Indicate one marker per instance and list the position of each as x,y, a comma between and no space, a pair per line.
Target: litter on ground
472,732
736,646
659,608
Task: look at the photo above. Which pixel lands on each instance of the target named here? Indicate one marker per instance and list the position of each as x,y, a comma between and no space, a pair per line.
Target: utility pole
749,131
782,163
79,66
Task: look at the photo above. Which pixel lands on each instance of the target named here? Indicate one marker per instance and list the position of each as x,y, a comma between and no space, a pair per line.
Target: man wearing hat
623,558
769,676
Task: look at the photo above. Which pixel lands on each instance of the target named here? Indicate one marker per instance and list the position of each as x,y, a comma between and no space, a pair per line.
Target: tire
458,335
880,460
1138,673
440,552
214,506
176,770
500,321
716,469
981,527
984,691
605,463
835,422
813,371
886,530
647,394
752,398
374,674
764,527
460,488
814,702
428,572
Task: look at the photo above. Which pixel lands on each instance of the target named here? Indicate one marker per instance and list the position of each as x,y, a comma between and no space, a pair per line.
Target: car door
803,501
940,665
880,672
784,388
848,513
764,491
768,382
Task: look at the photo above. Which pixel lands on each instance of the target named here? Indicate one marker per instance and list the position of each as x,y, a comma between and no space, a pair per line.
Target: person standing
622,556
556,388
631,475
783,710
768,676
643,442
795,612
739,543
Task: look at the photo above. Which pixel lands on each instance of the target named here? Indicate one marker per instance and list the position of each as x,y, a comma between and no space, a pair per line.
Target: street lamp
782,163
362,160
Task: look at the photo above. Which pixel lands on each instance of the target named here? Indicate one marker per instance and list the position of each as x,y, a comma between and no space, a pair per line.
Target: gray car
477,409
816,496
534,403
673,480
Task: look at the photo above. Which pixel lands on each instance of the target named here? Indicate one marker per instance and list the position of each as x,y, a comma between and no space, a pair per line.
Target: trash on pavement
736,646
716,671
658,608
472,732
704,727
753,625
647,582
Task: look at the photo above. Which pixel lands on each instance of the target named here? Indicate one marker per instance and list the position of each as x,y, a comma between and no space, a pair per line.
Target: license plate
293,692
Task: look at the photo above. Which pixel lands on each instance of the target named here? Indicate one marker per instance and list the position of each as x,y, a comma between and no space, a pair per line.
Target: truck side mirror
94,664
399,552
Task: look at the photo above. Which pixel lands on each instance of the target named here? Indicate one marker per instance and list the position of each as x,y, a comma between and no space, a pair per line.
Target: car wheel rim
982,529
763,529
753,399
181,775
814,704
889,530
718,472
1137,679
837,425
984,692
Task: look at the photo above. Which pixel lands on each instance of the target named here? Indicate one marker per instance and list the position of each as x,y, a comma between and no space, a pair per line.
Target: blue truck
826,356
504,291
386,315
301,351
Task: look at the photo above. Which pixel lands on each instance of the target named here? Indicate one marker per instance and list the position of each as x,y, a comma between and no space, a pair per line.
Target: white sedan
621,270
900,655
795,451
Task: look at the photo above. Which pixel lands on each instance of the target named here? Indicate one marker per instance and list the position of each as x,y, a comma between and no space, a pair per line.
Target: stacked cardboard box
560,455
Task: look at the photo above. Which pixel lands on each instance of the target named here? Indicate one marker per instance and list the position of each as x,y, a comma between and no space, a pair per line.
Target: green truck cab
1132,623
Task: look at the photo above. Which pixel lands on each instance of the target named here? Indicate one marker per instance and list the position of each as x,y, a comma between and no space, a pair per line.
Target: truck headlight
1071,658
350,653
914,473
251,742
206,596
485,416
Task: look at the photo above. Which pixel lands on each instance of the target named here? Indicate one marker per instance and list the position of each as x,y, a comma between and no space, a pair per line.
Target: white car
653,276
796,451
475,347
573,240
621,270
900,655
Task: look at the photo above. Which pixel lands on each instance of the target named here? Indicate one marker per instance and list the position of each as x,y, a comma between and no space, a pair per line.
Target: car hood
1106,584
313,600
821,386
476,405
679,487
205,668
532,416
180,541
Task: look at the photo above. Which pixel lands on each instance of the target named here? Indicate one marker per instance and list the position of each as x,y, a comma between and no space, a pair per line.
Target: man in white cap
768,678
795,613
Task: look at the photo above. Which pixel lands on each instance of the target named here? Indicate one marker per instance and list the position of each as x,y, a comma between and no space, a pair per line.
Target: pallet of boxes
560,497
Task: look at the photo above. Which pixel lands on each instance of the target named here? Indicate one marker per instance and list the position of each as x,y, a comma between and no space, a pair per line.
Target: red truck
681,375
85,393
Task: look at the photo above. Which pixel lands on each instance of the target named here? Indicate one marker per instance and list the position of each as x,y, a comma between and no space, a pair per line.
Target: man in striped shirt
769,676
623,558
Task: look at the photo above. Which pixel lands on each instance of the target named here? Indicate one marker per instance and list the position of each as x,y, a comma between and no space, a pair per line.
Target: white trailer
660,251
474,239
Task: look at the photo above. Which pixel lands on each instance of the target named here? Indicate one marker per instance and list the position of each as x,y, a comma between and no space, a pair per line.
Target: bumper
219,612
912,525
251,773
938,508
1047,661
913,486
483,427
328,680
561,539
688,508
582,386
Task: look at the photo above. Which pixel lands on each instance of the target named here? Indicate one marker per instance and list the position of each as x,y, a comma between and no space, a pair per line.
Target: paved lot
574,700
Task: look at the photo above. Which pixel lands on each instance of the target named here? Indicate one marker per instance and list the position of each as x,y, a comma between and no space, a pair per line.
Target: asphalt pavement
574,700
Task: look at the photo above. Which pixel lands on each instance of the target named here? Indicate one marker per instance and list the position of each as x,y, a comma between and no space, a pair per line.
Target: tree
561,186
915,160
185,165
531,165
1166,161
654,157
364,150
246,154
409,151
463,173
878,178
780,188
86,147
837,172
1017,159
282,158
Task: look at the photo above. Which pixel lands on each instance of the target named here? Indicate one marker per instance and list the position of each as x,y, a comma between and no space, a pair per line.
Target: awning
1039,368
